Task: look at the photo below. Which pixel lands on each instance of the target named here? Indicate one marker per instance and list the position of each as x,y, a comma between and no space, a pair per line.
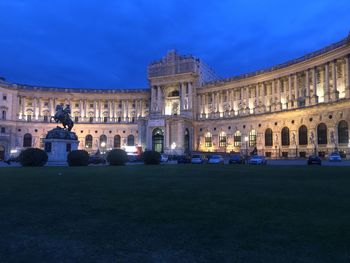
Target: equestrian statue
63,116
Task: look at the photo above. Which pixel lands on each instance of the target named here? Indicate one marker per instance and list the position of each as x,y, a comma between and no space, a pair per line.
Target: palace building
290,110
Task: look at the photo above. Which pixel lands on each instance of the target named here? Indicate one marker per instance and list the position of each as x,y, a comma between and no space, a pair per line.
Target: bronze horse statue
63,116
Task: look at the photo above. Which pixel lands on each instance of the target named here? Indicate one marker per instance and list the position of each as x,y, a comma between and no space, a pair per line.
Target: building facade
290,110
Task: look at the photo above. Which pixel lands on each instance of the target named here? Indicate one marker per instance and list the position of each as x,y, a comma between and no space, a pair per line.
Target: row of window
76,105
76,119
103,141
322,136
28,138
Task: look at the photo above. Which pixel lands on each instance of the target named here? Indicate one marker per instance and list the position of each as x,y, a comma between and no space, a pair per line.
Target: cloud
106,44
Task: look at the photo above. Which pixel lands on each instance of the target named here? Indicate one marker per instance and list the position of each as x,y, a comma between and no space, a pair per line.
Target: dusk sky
109,43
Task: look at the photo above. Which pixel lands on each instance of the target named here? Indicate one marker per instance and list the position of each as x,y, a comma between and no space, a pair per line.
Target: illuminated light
131,150
13,151
103,144
246,138
173,145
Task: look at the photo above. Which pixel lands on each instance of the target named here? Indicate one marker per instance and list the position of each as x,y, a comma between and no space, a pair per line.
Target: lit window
237,139
222,140
208,142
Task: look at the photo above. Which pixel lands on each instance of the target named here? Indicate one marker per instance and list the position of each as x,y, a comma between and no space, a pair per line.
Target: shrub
117,157
151,157
78,158
33,157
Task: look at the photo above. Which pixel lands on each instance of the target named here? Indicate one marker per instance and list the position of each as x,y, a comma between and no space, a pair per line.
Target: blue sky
109,43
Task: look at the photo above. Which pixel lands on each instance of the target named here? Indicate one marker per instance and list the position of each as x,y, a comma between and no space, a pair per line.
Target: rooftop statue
63,116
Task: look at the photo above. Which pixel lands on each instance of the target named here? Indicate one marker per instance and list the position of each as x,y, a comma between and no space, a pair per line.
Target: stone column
81,109
159,99
153,99
190,92
110,111
347,77
40,107
113,110
326,83
273,96
314,97
290,95
86,109
127,111
278,103
96,110
23,107
307,86
334,91
296,91
35,108
247,109
263,98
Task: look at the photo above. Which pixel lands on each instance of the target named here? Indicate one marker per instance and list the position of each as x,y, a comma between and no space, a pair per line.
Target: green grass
175,213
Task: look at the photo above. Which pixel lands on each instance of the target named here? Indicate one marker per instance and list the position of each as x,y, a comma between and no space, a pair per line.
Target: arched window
237,139
343,132
131,140
88,141
27,140
208,142
3,116
268,137
302,135
117,141
222,139
158,140
103,141
322,133
285,136
252,138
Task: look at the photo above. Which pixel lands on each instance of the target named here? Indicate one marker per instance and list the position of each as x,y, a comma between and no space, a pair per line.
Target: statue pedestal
58,143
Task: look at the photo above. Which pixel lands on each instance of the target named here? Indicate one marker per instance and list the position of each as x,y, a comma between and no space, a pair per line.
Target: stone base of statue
58,143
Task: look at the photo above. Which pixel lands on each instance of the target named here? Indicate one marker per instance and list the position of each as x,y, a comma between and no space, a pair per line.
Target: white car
335,157
196,159
164,158
259,160
214,159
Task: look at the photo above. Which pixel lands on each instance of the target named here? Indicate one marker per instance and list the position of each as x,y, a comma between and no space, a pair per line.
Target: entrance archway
187,141
2,153
158,140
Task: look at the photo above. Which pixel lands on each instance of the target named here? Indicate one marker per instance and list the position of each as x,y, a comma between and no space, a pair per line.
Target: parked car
216,159
257,160
95,159
164,158
313,159
197,159
334,157
183,159
236,159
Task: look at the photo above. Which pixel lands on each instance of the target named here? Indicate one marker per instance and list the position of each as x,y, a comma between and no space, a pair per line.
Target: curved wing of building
293,109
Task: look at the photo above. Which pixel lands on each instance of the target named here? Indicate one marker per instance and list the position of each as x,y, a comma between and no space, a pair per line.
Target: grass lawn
175,213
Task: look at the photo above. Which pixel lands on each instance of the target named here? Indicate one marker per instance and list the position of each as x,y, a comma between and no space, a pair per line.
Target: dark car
183,159
313,159
236,159
97,160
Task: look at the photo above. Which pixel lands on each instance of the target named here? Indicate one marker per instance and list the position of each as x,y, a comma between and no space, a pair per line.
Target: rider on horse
63,116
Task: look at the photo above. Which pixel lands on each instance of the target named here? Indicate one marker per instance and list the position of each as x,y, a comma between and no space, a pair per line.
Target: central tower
173,82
